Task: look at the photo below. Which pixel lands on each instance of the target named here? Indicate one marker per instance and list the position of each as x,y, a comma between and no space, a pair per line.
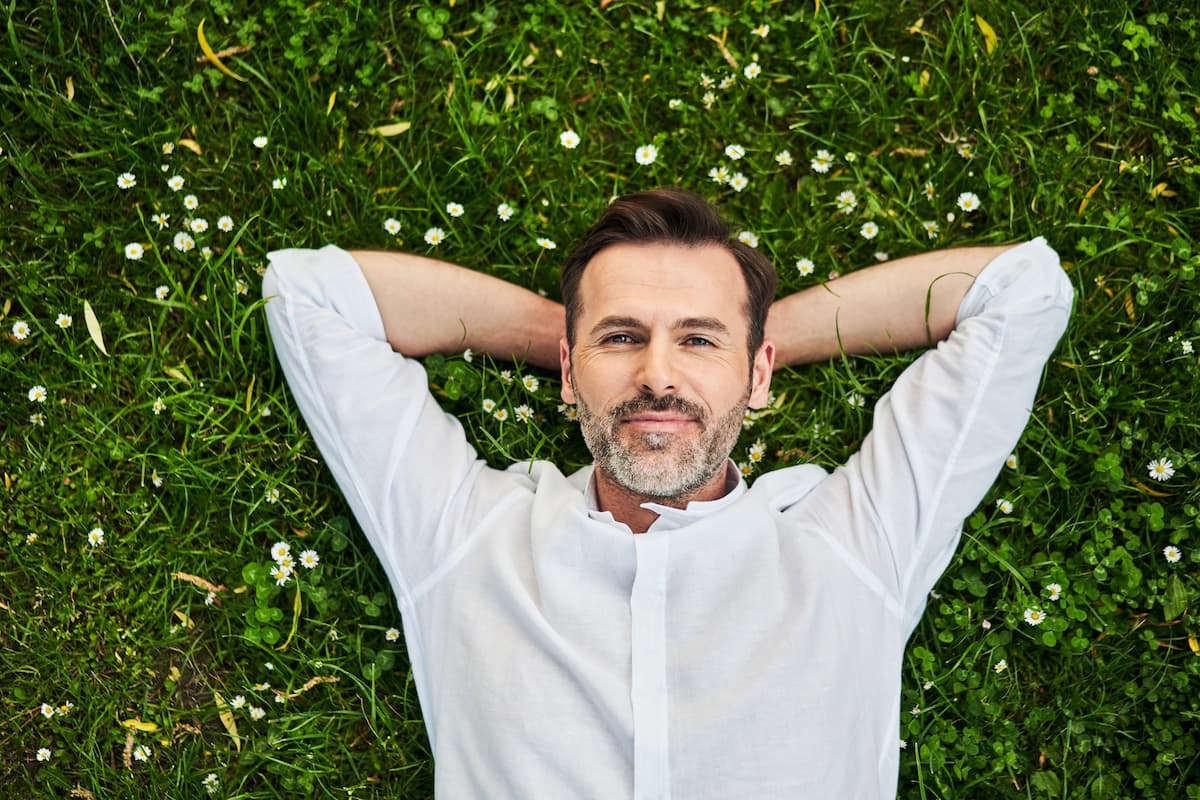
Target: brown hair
671,216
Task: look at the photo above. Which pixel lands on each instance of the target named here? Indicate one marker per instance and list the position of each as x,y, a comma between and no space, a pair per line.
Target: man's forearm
898,305
431,306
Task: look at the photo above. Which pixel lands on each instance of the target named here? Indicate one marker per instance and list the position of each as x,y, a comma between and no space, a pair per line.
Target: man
652,627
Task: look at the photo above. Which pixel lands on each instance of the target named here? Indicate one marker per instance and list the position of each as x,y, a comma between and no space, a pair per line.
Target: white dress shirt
748,647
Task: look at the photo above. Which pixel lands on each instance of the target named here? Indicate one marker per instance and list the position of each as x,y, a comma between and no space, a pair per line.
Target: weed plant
146,649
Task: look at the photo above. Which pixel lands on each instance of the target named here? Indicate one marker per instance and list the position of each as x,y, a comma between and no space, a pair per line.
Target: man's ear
760,374
564,358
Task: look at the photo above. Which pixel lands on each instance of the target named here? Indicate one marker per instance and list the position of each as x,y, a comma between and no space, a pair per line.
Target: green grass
1094,103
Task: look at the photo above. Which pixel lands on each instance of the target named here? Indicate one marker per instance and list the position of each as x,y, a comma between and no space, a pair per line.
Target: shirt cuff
330,278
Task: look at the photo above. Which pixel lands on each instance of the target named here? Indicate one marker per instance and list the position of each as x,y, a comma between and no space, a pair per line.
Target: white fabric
748,647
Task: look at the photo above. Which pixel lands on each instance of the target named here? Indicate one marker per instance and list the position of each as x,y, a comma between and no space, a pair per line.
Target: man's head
661,309
669,216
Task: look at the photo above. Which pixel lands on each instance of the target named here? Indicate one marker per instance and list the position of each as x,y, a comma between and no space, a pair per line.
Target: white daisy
260,142
869,230
504,211
646,154
822,162
1035,616
184,242
191,202
175,183
434,236
95,537
126,180
968,201
225,223
805,266
391,225
783,158
738,182
735,151
748,237
134,251
546,244
752,70
1172,553
569,139
455,209
37,394
20,330
1161,469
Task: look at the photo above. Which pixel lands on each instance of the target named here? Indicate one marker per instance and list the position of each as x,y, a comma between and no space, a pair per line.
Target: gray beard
660,466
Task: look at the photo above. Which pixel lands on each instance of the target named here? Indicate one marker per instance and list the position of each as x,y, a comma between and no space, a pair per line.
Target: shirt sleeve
400,461
942,433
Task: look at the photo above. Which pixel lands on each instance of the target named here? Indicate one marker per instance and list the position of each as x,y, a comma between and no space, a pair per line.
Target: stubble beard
660,465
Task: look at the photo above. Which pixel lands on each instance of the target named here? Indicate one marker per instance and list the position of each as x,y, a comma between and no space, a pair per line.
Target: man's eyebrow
608,323
711,324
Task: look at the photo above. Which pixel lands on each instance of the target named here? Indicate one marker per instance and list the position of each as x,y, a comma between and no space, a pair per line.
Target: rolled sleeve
942,433
397,457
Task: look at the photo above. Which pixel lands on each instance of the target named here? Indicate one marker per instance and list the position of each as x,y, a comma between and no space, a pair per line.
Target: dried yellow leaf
332,100
212,57
176,374
391,130
924,81
1084,202
137,724
1147,490
1195,645
1161,190
185,619
70,89
989,35
1129,305
93,326
228,720
190,144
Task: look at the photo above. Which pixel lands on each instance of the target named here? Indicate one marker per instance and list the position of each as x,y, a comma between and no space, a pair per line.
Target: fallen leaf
138,725
70,89
93,326
176,374
1195,645
250,393
185,619
228,720
190,144
212,57
198,581
910,151
391,130
1084,202
1161,190
1146,489
924,80
332,100
728,56
1129,305
989,35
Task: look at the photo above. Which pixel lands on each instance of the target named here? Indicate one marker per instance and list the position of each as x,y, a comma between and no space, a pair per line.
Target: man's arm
898,305
430,306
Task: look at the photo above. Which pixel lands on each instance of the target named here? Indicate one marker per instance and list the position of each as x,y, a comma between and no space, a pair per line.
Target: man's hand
430,306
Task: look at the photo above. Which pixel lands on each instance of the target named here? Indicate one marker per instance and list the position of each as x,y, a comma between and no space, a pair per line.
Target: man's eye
697,341
618,338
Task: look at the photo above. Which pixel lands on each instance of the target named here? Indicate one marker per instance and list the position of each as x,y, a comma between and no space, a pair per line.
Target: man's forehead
627,270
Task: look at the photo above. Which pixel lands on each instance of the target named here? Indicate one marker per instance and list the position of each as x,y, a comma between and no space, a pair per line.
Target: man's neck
626,506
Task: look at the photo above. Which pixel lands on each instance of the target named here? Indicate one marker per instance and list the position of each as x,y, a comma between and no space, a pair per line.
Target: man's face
660,371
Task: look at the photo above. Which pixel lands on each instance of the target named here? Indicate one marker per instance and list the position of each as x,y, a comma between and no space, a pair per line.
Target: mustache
658,404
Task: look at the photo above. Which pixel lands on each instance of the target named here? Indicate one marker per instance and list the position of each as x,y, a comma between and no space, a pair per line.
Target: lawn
154,463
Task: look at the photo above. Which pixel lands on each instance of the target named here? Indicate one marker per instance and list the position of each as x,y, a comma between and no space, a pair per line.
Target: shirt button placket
647,605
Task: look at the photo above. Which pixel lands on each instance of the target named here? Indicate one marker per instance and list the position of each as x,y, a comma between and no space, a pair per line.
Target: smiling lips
658,421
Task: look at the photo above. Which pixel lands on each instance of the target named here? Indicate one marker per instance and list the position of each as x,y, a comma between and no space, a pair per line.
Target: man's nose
657,369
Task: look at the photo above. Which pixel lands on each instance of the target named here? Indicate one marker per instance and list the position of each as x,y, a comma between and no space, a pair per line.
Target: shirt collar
669,517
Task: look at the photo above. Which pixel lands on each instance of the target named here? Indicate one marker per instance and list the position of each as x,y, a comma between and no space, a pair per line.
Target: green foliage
183,446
